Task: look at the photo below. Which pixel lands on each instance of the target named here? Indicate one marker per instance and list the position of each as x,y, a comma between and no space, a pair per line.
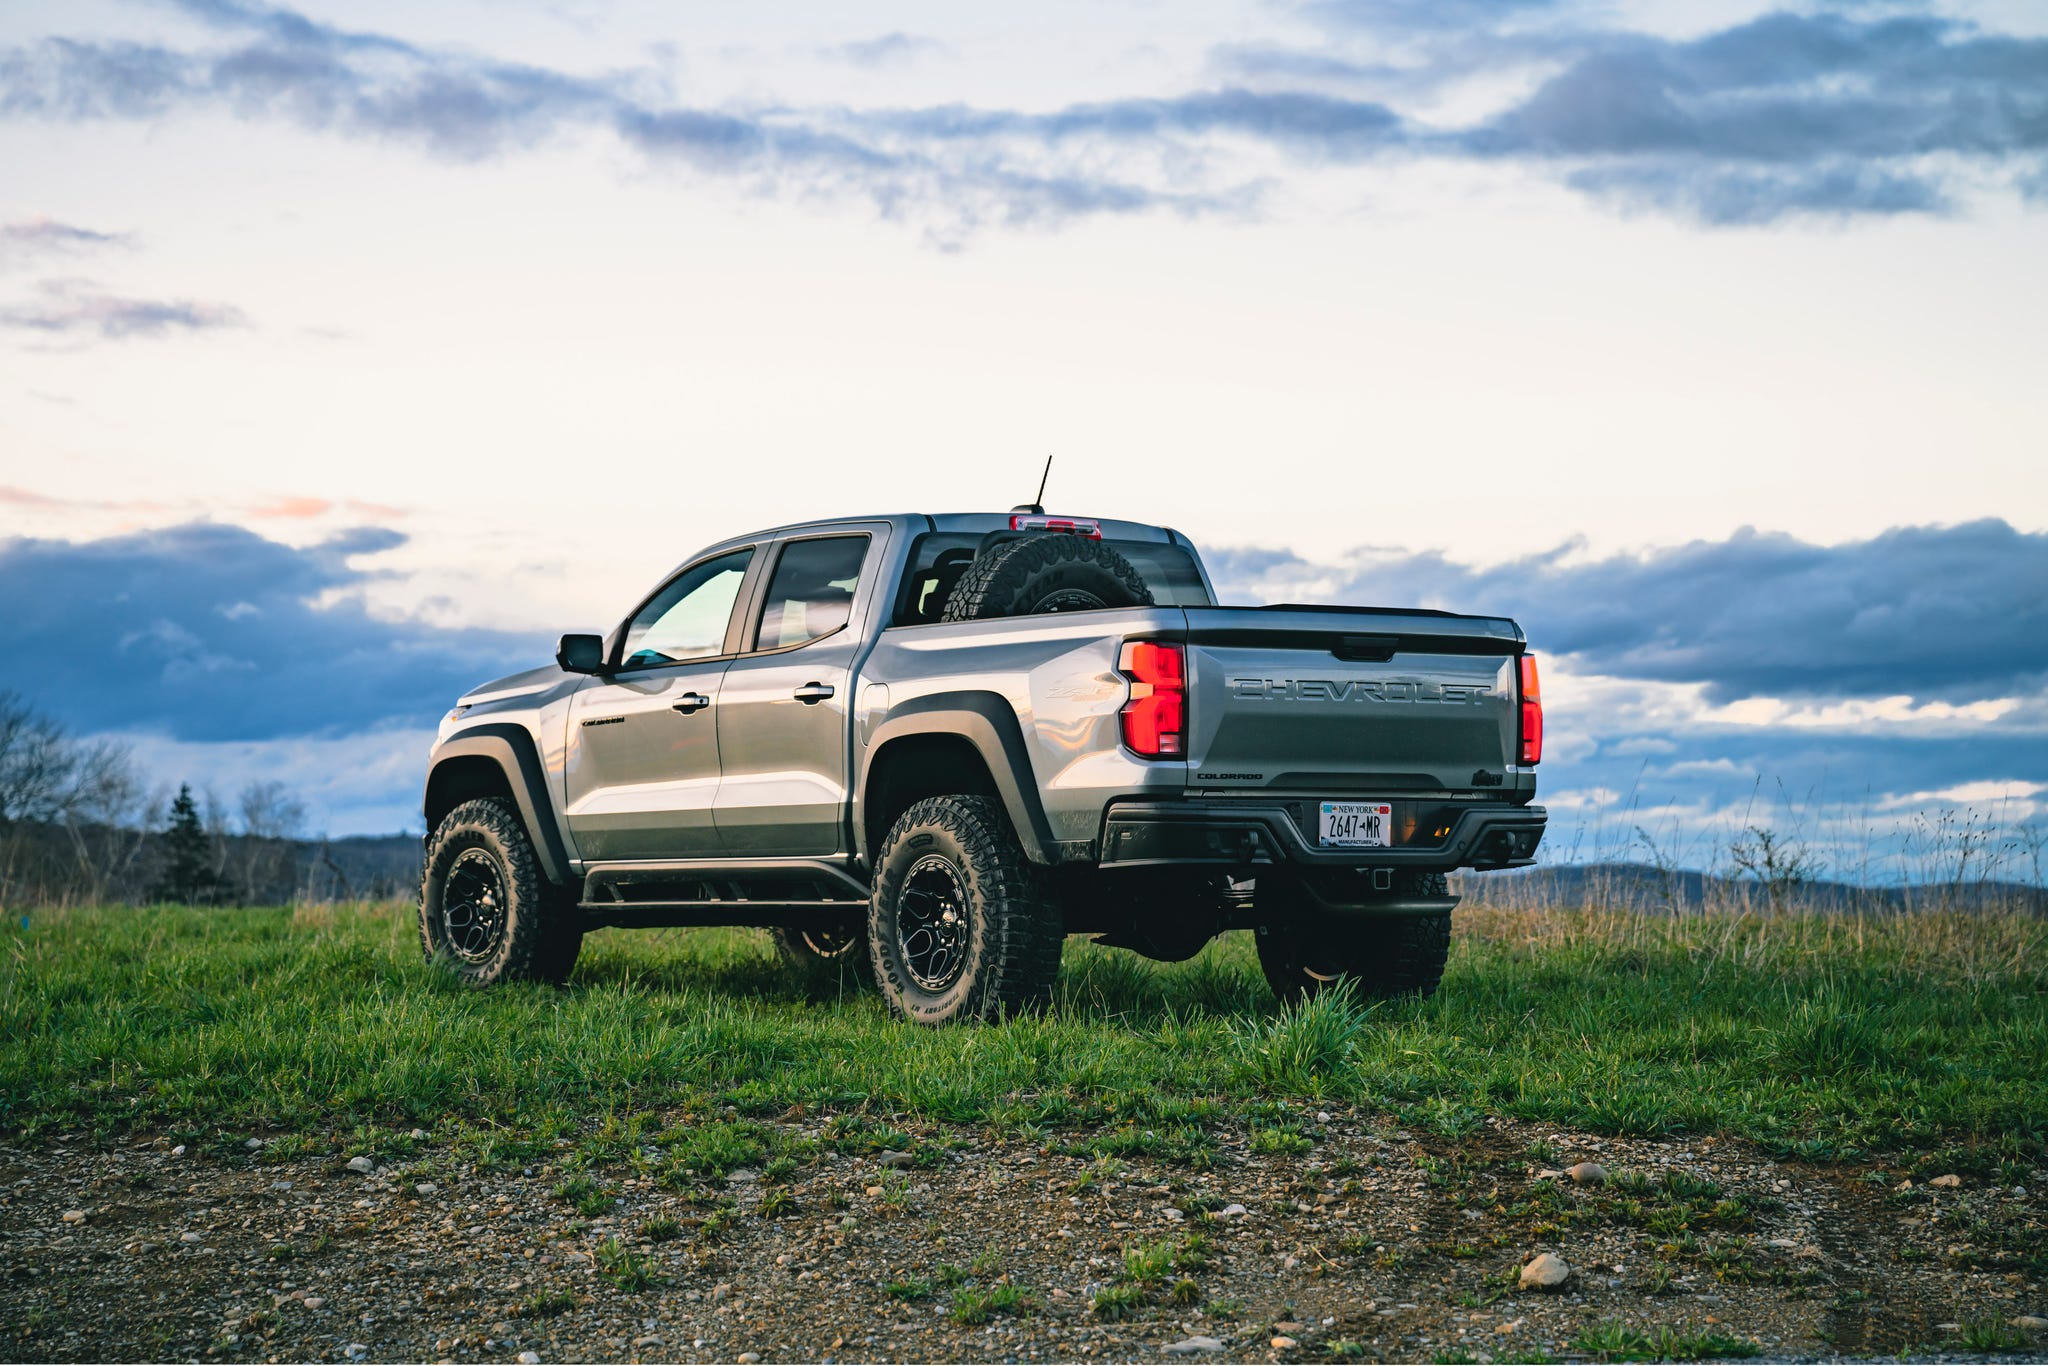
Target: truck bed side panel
1059,675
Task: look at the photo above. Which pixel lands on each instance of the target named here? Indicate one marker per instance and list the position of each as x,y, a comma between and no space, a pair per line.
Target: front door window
687,619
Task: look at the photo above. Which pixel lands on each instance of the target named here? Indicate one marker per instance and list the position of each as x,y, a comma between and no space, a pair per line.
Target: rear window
939,558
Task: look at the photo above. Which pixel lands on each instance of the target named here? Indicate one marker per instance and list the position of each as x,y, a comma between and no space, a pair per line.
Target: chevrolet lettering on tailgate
1354,690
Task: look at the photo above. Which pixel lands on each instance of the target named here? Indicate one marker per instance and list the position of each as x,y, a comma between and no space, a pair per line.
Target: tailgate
1327,701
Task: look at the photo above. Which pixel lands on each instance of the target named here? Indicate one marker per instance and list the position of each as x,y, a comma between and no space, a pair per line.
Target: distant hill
389,865
385,866
43,865
372,866
1641,886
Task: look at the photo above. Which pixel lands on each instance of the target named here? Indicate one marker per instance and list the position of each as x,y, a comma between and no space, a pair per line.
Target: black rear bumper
1137,834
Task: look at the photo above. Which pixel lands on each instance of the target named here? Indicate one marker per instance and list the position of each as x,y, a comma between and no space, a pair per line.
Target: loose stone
1188,1347
1545,1271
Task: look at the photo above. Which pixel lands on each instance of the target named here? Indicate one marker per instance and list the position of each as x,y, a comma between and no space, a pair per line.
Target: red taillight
1072,526
1156,718
1532,713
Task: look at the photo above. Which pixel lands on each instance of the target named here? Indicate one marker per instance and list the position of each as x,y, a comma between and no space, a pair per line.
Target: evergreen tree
188,876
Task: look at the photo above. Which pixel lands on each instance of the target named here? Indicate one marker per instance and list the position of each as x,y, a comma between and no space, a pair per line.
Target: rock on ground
1545,1271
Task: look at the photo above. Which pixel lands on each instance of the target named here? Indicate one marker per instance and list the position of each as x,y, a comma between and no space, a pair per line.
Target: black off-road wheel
961,927
830,956
487,913
1053,572
1384,958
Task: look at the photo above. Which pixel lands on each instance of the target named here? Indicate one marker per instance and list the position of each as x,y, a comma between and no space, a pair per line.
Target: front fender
512,749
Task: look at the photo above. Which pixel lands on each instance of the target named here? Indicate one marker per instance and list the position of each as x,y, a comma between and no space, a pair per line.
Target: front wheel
486,911
1384,958
961,926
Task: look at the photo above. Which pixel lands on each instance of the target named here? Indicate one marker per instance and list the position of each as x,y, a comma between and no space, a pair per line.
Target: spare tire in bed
1051,572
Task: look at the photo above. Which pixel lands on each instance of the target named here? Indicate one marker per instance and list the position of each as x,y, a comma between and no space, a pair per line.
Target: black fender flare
986,721
512,749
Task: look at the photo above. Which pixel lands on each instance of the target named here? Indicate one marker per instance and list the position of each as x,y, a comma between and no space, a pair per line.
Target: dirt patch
1335,1231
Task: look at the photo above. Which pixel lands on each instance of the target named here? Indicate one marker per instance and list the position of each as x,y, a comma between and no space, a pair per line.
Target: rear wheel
961,926
1384,958
487,913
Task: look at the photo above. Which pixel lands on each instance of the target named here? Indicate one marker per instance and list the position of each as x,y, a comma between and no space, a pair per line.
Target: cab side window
687,619
810,594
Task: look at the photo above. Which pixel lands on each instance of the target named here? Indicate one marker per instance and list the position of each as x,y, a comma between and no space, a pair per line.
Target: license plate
1356,825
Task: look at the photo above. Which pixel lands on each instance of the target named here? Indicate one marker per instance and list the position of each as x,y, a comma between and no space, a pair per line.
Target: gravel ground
1332,1237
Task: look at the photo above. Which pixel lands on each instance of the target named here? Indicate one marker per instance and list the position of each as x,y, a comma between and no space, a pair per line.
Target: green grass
546,1304
979,1306
623,1267
1821,1036
1990,1333
1611,1340
1118,1301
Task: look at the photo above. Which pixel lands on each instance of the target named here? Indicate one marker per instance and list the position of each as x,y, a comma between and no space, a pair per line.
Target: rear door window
810,594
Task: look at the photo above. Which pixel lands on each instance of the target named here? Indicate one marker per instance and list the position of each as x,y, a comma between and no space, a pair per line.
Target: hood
513,685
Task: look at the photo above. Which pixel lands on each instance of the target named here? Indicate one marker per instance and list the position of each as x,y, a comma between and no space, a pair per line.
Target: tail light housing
1532,712
1155,720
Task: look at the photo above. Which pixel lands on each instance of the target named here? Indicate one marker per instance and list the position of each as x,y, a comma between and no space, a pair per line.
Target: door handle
691,701
811,694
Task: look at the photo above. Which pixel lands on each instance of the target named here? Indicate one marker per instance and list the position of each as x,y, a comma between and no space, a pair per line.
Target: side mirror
581,654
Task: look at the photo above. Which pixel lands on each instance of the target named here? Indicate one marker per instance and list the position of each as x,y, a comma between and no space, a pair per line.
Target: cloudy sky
349,352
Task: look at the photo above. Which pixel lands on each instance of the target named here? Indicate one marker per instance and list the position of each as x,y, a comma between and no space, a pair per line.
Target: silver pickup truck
924,749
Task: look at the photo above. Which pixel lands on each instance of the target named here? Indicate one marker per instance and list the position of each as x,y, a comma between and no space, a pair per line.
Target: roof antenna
1037,505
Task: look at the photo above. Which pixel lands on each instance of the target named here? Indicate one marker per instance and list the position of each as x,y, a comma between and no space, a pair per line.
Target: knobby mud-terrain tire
1053,572
487,913
827,956
961,926
1384,958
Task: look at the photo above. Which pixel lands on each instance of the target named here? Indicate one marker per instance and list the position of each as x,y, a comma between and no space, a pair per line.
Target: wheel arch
967,742
499,761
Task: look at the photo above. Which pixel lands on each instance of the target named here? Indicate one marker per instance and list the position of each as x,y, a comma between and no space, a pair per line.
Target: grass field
1819,1036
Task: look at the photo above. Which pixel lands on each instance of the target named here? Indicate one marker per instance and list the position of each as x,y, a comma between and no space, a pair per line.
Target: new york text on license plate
1356,825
